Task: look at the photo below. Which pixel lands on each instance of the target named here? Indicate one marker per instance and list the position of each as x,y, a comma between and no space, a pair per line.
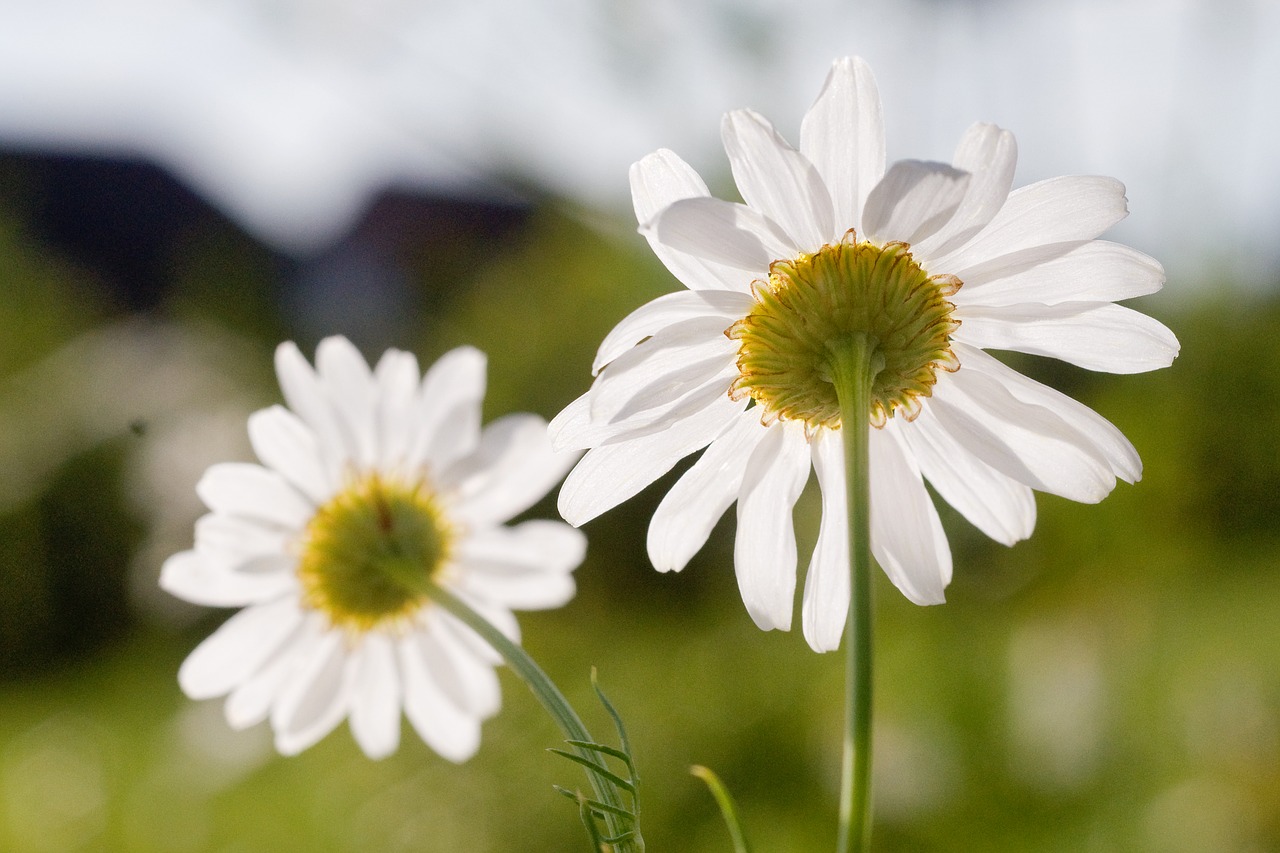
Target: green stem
854,365
728,808
543,688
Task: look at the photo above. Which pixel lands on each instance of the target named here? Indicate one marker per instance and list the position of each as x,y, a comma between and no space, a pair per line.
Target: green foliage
728,807
594,757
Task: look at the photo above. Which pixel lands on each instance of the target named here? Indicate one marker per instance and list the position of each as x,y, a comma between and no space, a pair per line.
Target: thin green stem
728,807
854,365
546,692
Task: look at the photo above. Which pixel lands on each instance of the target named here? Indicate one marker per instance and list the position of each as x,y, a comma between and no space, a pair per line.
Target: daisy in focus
375,487
934,263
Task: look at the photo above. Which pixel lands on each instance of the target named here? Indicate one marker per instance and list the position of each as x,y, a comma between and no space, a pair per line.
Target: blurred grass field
1113,684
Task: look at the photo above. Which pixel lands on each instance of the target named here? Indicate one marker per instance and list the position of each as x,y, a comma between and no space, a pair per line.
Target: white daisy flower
936,263
374,485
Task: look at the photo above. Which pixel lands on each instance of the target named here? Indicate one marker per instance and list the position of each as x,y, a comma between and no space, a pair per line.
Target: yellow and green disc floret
813,303
369,555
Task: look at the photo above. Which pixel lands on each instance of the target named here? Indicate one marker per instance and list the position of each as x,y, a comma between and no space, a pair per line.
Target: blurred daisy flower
935,263
375,486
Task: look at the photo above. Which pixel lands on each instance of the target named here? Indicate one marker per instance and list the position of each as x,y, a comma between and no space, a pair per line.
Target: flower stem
547,693
854,364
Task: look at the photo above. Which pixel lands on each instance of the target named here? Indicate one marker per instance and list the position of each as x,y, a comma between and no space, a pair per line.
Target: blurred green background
1113,684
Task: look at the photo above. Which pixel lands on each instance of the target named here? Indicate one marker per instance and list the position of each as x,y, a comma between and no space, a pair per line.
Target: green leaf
728,808
596,805
597,768
607,750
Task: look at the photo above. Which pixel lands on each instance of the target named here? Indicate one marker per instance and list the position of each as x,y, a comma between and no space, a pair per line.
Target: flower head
934,263
374,485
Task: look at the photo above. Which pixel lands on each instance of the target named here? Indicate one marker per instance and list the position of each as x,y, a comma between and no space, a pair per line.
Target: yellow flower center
812,303
371,552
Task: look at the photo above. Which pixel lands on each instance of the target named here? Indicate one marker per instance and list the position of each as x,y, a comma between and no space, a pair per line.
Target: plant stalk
543,689
854,364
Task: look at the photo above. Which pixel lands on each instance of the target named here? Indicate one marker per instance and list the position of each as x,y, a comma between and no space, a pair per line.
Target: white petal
307,397
467,679
764,553
1051,211
349,383
191,577
452,733
516,587
1106,439
722,231
576,427
826,585
685,517
652,317
251,702
462,636
572,428
658,180
287,446
678,359
375,697
1000,507
252,492
989,154
397,378
447,424
316,696
843,136
240,543
547,546
1031,443
517,584
1096,271
610,474
914,200
1095,336
513,468
906,535
778,180
495,614
235,651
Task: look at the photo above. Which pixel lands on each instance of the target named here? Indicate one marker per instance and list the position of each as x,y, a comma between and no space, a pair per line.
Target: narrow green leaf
630,835
607,750
597,768
728,808
613,712
598,844
596,805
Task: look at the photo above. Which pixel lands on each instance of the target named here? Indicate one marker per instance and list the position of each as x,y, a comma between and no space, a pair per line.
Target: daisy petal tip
195,682
337,346
462,746
287,350
573,515
476,356
288,746
819,642
768,619
663,560
576,551
173,572
926,598
290,363
848,67
377,750
649,160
